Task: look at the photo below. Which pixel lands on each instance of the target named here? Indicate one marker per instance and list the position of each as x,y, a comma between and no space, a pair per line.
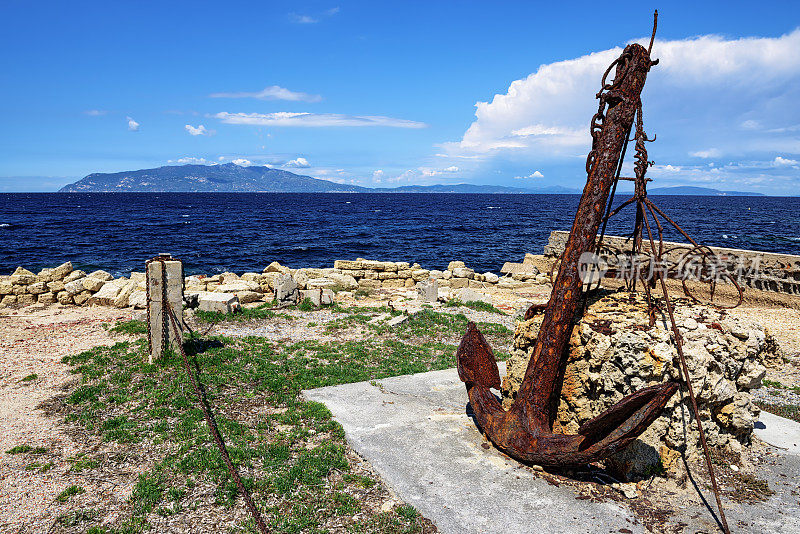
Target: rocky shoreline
70,286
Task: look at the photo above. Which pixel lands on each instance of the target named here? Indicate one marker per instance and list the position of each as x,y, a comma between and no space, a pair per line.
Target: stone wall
761,270
613,353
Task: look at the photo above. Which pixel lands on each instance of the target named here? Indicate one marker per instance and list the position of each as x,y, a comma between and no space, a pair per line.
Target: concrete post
161,331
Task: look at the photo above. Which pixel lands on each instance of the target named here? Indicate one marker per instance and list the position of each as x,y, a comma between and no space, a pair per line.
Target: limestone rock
64,298
23,277
26,299
607,363
108,293
318,297
218,302
320,283
246,297
420,274
251,277
235,286
74,287
453,265
346,264
122,300
74,275
37,288
344,281
463,272
46,298
428,291
457,283
55,286
61,272
6,287
138,299
8,300
276,267
100,275
81,297
491,278
90,283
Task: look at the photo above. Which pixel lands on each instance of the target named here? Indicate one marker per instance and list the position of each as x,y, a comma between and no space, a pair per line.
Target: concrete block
219,302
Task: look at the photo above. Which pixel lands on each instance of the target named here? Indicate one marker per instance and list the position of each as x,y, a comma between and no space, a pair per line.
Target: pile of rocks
371,274
67,286
613,352
60,284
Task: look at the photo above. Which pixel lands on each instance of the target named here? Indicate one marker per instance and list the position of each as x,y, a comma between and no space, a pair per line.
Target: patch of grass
294,457
71,491
778,385
130,327
80,464
30,378
26,449
41,468
306,305
246,314
479,305
76,517
783,410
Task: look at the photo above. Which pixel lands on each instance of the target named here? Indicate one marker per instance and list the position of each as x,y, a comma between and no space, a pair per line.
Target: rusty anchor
525,430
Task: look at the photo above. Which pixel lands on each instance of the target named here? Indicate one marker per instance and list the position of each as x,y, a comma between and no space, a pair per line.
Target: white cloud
314,120
332,11
200,130
241,162
188,161
377,176
273,92
533,175
133,126
96,112
302,19
705,154
438,172
741,93
785,162
298,163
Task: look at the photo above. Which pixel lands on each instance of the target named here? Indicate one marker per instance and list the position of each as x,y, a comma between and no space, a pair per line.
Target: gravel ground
33,341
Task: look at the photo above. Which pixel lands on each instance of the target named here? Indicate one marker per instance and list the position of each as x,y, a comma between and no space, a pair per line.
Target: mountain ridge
232,178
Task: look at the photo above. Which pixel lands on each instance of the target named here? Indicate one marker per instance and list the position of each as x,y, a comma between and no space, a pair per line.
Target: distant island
232,178
699,191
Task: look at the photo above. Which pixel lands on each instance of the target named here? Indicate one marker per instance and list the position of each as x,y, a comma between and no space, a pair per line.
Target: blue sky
384,94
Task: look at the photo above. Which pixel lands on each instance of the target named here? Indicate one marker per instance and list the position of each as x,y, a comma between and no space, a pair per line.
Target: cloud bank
273,92
314,120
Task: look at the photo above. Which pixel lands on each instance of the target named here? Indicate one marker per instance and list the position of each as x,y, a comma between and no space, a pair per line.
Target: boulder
6,287
137,299
463,272
74,287
26,300
344,281
236,286
61,272
46,298
457,283
302,276
122,300
394,283
74,275
318,297
56,286
100,275
420,274
366,283
81,297
93,284
64,298
23,277
8,300
347,264
251,277
276,267
219,302
108,293
320,283
246,297
453,265
37,288
491,278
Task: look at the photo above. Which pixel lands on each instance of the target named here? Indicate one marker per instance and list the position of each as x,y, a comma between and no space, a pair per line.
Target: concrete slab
779,432
415,432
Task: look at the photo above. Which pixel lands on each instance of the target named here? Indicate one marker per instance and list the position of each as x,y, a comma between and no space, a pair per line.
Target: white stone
218,302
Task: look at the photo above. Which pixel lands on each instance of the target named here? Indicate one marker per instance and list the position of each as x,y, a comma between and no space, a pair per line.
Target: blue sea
215,232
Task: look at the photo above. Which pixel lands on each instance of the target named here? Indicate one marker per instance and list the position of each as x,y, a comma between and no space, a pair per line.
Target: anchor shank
622,98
